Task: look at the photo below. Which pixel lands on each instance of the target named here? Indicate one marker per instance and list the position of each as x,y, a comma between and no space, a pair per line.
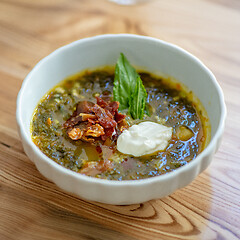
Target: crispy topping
108,133
123,125
105,118
86,116
75,133
95,131
87,139
91,122
101,102
119,117
83,109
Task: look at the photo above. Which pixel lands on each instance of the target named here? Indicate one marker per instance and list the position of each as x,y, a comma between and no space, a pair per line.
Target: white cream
144,138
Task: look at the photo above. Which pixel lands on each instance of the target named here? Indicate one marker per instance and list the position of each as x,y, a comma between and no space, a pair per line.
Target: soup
78,125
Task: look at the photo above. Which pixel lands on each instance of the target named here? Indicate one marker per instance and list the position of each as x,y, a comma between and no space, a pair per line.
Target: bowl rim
210,147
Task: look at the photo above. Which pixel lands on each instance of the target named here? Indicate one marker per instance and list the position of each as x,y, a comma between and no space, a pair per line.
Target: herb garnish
128,88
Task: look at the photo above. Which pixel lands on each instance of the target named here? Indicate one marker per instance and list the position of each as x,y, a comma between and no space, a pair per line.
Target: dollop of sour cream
144,138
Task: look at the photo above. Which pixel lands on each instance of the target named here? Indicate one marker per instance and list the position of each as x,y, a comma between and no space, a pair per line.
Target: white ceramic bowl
151,54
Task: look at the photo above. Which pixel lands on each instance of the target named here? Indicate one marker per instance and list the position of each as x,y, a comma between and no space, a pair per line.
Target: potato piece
184,133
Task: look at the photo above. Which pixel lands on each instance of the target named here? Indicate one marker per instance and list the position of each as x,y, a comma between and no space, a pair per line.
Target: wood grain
31,207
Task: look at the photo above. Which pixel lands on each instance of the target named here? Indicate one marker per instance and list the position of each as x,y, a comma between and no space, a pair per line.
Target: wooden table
31,207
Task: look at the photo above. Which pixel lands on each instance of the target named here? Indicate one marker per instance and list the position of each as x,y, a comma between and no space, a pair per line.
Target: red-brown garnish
91,122
77,116
95,130
75,133
105,118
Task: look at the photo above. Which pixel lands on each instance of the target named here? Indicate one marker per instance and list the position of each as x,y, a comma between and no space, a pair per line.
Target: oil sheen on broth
167,104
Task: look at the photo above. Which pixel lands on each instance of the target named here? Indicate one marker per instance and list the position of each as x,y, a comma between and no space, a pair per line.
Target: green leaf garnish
137,101
124,82
128,89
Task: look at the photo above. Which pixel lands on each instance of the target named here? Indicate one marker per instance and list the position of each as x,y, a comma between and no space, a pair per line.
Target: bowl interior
149,54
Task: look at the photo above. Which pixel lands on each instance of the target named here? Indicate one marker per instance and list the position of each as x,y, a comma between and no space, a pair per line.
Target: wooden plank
32,207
